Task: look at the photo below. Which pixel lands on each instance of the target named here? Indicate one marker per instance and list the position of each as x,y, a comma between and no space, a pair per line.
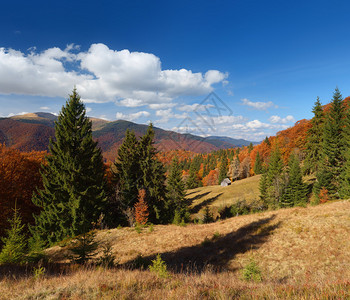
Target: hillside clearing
302,253
217,196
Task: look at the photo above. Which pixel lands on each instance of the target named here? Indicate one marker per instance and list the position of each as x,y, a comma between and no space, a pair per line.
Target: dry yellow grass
303,253
217,196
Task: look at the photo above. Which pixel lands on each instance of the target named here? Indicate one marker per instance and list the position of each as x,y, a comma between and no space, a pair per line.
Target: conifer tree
258,165
272,182
176,191
295,191
73,194
141,209
223,169
15,243
192,180
153,178
345,175
314,146
328,176
127,171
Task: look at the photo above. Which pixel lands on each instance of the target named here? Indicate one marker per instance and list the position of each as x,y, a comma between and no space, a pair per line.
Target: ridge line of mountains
32,131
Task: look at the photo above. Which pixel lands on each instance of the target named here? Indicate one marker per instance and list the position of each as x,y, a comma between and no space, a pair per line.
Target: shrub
159,267
252,272
83,247
15,243
324,197
208,216
107,259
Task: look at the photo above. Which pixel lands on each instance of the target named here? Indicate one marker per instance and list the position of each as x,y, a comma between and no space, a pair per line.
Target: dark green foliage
14,242
127,170
136,168
272,182
250,147
208,216
73,194
267,141
295,190
223,169
176,193
192,180
258,165
345,175
314,146
153,178
83,247
333,148
107,259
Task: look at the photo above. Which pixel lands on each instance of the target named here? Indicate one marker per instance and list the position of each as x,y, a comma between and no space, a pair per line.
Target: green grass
217,196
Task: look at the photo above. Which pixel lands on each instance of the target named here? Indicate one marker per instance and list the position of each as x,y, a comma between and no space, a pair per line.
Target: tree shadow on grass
195,209
194,198
216,252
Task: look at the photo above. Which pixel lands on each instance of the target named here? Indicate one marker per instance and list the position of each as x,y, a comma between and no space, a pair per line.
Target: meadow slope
302,253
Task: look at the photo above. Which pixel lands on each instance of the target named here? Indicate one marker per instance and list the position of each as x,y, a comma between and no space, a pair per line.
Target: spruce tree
272,182
314,149
345,175
333,149
192,180
295,191
153,178
176,191
15,243
258,165
73,194
223,169
127,171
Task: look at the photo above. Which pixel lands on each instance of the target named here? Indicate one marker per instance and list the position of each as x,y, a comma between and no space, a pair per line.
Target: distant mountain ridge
32,132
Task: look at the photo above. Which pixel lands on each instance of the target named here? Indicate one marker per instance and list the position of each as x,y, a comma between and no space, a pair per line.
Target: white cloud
132,116
161,105
88,109
279,120
195,107
100,75
44,107
258,105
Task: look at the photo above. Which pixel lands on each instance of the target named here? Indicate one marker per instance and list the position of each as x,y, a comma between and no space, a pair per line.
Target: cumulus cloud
258,105
279,120
100,74
195,107
44,107
132,116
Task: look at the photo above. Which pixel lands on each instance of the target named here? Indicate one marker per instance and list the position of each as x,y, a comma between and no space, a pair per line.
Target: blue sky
267,61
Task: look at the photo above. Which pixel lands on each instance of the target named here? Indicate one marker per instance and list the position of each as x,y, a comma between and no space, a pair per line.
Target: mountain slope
32,132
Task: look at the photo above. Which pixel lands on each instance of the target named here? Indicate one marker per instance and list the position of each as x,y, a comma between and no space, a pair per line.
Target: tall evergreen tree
328,176
295,191
176,191
272,182
73,194
223,169
258,165
314,145
345,175
153,178
127,171
192,180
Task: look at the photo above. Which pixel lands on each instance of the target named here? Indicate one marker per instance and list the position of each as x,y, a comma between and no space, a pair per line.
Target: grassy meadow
301,253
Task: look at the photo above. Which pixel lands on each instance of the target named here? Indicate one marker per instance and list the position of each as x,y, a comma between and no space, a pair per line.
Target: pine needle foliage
328,175
314,146
15,243
73,194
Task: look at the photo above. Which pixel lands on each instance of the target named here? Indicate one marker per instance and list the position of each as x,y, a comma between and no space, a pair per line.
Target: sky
243,69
